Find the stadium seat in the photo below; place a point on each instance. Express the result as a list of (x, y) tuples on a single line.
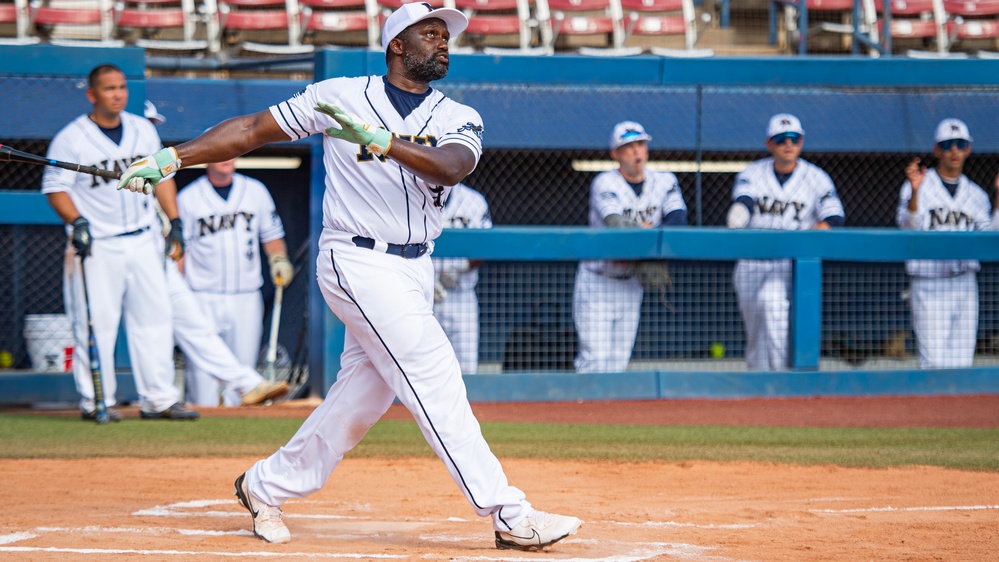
[(276, 24), (342, 22), (513, 20), (974, 21), (14, 14), (590, 18), (791, 30), (169, 25), (924, 21), (88, 23), (660, 18)]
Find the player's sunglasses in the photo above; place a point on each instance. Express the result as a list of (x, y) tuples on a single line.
[(961, 144), (795, 138)]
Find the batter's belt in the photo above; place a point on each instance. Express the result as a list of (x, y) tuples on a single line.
[(408, 251)]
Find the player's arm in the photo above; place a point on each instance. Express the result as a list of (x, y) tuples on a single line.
[(445, 164), (282, 271), (166, 196), (63, 205), (225, 141), (740, 212)]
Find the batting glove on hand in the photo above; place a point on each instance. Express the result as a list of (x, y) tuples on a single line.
[(81, 237), (144, 174), (376, 139), (281, 270), (175, 239)]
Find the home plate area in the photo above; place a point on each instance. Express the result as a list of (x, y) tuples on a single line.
[(219, 528)]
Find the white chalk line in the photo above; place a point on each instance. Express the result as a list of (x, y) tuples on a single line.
[(888, 509), (190, 553)]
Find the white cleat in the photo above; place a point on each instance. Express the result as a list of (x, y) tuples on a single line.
[(536, 531), (267, 523), (265, 391)]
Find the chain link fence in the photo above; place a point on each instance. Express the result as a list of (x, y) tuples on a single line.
[(696, 324)]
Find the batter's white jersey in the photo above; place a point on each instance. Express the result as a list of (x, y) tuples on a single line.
[(402, 208), (464, 208), (968, 209), (611, 194), (223, 236), (111, 212)]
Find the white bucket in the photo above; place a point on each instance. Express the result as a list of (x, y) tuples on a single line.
[(49, 339)]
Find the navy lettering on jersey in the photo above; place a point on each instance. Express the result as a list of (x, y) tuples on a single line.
[(438, 192), (945, 217), (768, 206), (457, 222), (642, 215), (211, 224), (476, 129)]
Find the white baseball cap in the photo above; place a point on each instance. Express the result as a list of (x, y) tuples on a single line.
[(627, 132), (154, 115), (784, 123), (408, 14), (951, 128)]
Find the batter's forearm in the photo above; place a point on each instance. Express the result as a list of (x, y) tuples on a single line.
[(275, 247), (443, 165), (231, 138)]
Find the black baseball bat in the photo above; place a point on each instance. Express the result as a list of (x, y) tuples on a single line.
[(100, 408), (10, 155)]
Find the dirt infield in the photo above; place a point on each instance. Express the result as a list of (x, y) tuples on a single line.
[(182, 509)]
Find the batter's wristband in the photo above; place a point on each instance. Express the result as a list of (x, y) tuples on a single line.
[(381, 142)]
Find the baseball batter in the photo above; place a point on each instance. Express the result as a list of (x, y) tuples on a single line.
[(227, 217), (607, 297), (383, 206), (456, 305), (944, 293), (116, 233), (782, 192)]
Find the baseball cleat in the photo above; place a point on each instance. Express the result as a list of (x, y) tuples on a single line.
[(536, 531), (265, 391), (267, 522), (176, 412), (113, 415)]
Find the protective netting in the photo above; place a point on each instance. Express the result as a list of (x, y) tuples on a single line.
[(526, 306)]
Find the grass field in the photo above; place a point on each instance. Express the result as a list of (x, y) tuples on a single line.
[(35, 436)]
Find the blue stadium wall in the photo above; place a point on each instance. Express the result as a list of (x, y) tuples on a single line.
[(700, 97)]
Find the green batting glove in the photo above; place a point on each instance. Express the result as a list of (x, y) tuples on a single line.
[(144, 174), (376, 139)]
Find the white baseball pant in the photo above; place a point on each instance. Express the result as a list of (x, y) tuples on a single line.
[(606, 312), (394, 347), (125, 277), (762, 289), (203, 348), (945, 320), (238, 319)]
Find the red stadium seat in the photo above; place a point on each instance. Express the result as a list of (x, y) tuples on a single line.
[(600, 19), (160, 24), (511, 20), (342, 22), (974, 22), (16, 14), (91, 24), (794, 27), (663, 18), (276, 24)]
